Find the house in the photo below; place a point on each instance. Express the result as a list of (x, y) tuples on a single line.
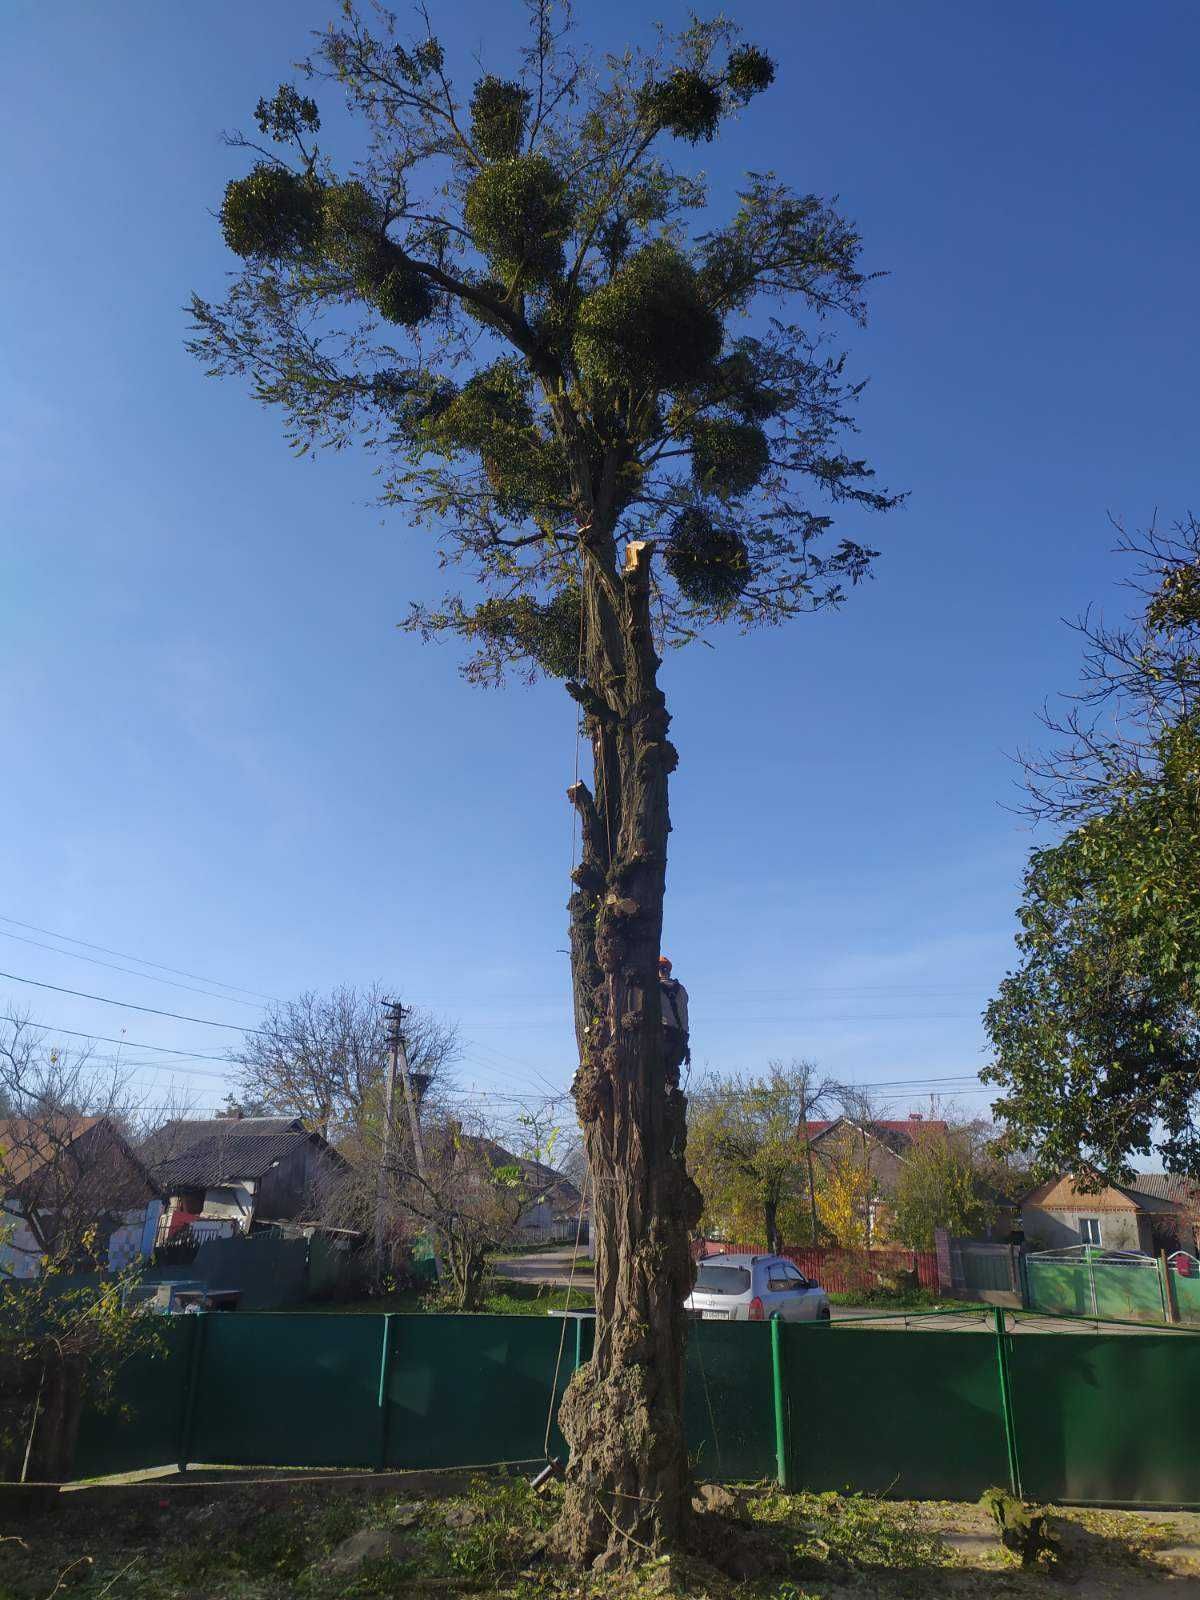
[(553, 1212), (228, 1174), (1056, 1214), (882, 1145), (1180, 1231), (877, 1150), (71, 1187)]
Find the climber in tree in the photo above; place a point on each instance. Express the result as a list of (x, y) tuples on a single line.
[(674, 1001)]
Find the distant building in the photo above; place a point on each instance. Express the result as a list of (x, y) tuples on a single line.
[(225, 1175), (64, 1178), (553, 1212), (1156, 1214)]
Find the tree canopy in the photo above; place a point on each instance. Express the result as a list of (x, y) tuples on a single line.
[(938, 1187), (515, 299), (1097, 1032)]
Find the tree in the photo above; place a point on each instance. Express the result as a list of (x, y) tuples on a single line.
[(1097, 1033), (846, 1196), (67, 1172), (471, 1193), (519, 302), (67, 1178), (751, 1155), (324, 1058), (938, 1187)]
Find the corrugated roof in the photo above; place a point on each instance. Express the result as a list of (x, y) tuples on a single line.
[(174, 1139), (220, 1159), (1171, 1186)]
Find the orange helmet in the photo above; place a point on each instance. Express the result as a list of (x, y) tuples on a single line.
[(664, 965)]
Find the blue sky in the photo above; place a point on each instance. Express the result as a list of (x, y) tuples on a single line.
[(220, 754)]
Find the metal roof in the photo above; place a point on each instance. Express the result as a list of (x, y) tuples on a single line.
[(1171, 1186), (176, 1138), (220, 1159)]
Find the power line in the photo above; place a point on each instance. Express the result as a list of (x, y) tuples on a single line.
[(128, 1005), (125, 956), (75, 1033), (75, 955)]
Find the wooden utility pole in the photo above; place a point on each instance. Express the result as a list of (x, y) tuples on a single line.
[(395, 1013), (398, 1066)]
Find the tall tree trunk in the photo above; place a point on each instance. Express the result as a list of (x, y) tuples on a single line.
[(770, 1227), (627, 1489)]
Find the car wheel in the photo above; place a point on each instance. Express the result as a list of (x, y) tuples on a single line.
[(824, 1314)]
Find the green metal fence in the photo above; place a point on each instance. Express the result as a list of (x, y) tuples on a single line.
[(1118, 1286), (940, 1411)]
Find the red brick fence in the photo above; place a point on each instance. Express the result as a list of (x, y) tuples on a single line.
[(845, 1271)]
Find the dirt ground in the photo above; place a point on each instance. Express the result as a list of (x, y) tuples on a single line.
[(232, 1537)]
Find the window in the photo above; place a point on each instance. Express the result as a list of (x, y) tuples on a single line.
[(783, 1277), (1089, 1230), (721, 1280)]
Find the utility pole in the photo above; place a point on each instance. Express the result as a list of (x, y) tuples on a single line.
[(398, 1065), (395, 1013)]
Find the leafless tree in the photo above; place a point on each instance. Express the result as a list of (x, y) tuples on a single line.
[(463, 1191), (67, 1169), (470, 1193), (1139, 679), (323, 1057)]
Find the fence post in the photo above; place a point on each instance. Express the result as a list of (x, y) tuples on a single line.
[(1087, 1252), (1170, 1304), (385, 1410), (782, 1464), (195, 1359), (1006, 1407)]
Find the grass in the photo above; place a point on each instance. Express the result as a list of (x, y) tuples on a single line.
[(902, 1300), (244, 1542), (502, 1297)]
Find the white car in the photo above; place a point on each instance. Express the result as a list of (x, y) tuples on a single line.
[(755, 1289)]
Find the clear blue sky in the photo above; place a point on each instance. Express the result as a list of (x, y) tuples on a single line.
[(219, 753)]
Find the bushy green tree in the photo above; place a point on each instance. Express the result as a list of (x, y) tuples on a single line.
[(1097, 1032), (601, 400), (939, 1187), (748, 1149)]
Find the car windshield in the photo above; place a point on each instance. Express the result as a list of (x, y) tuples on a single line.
[(722, 1280)]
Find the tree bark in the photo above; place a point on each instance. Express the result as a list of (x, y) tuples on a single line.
[(770, 1212), (627, 1485)]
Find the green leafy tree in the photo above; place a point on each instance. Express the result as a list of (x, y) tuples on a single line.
[(939, 1187), (62, 1346), (748, 1149), (603, 403), (1097, 1032)]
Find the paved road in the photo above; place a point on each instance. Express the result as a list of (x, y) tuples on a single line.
[(547, 1266)]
